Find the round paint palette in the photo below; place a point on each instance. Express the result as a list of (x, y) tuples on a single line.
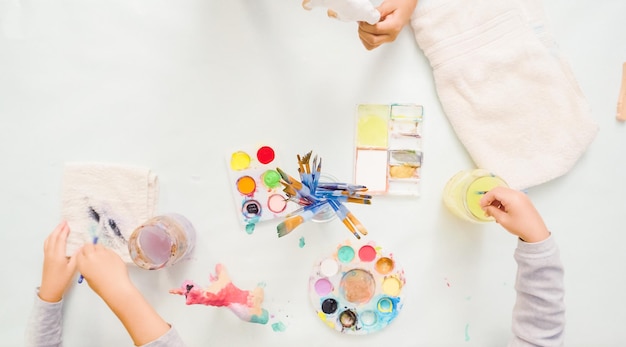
[(357, 289)]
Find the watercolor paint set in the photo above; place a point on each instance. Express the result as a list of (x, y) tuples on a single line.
[(357, 289), (256, 186), (388, 148)]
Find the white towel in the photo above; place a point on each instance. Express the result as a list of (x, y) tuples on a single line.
[(107, 201), (510, 97)]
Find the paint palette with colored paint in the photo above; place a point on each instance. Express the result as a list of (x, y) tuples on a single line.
[(255, 184), (388, 150), (357, 289)]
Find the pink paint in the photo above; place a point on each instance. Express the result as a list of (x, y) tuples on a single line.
[(156, 244), (323, 287), (223, 293), (367, 253)]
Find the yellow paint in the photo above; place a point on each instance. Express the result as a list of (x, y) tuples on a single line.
[(322, 316), (473, 196), (372, 131), (464, 190), (239, 161), (392, 286)]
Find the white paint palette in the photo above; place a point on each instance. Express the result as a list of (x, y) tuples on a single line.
[(255, 185), (388, 148), (357, 289)]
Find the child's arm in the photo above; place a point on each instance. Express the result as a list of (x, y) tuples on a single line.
[(394, 15), (107, 275), (45, 323), (539, 312)]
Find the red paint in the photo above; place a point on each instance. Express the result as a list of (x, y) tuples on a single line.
[(265, 155), (225, 297), (367, 253)]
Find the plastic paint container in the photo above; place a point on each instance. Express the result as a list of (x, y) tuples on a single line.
[(161, 241), (464, 190), (326, 214)]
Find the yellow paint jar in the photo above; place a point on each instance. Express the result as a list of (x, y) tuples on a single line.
[(464, 190)]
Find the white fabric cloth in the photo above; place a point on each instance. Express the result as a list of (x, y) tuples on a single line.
[(510, 97), (107, 201)]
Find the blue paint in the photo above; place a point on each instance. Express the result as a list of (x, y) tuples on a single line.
[(467, 338), (279, 327), (301, 245), (250, 228)]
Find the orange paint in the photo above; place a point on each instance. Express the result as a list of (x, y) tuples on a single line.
[(246, 185)]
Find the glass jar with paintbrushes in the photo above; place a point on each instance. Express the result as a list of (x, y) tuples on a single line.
[(318, 198)]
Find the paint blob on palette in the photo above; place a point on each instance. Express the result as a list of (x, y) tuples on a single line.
[(256, 186), (388, 149), (357, 289)]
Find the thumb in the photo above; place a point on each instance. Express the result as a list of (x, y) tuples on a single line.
[(494, 212), (385, 9)]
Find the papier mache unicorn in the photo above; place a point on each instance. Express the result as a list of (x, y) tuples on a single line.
[(346, 10)]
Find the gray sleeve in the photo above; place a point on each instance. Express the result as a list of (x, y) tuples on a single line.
[(539, 311), (169, 339), (45, 324)]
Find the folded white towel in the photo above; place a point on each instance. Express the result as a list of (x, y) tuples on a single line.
[(510, 97), (106, 201)]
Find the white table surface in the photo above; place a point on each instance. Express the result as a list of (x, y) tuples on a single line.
[(175, 86)]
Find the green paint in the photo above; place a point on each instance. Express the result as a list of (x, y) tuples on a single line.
[(250, 228), (271, 178), (262, 319), (345, 254), (467, 338), (279, 327), (301, 242)]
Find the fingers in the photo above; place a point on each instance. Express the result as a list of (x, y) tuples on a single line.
[(55, 242), (371, 37)]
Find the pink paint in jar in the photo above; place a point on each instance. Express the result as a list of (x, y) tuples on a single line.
[(161, 241)]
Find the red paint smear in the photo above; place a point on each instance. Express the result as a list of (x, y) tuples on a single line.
[(225, 297), (265, 155), (367, 253)]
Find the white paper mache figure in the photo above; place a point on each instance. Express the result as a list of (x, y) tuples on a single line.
[(346, 10)]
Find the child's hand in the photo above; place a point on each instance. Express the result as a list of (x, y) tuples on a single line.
[(58, 269), (394, 14), (103, 269), (516, 213)]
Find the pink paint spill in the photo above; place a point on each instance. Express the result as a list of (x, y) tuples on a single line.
[(223, 293)]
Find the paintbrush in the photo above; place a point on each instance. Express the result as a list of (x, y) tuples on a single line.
[(334, 193), (341, 186), (307, 213), (343, 213), (81, 278), (317, 169)]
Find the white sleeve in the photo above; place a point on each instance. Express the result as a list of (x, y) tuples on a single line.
[(45, 324), (539, 311)]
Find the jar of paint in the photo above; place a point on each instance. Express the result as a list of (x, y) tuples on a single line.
[(464, 190), (326, 214), (161, 241)]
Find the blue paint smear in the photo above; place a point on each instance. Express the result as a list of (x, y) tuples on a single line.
[(279, 327), (467, 338), (301, 245), (250, 228)]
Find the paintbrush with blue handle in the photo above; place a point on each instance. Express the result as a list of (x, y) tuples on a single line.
[(348, 219), (296, 218), (81, 278)]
